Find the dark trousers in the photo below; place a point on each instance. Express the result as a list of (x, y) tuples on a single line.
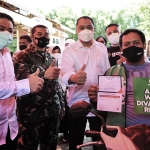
[(77, 128), (76, 131), (44, 133), (95, 125), (64, 126), (10, 145)]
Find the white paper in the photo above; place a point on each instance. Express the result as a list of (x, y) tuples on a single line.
[(109, 94), (109, 83), (109, 102)]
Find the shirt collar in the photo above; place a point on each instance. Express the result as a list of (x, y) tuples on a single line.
[(80, 45), (5, 50)]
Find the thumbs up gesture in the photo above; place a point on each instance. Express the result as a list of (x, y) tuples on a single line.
[(35, 82), (80, 77), (52, 73)]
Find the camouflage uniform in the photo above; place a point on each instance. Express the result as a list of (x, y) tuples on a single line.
[(38, 114)]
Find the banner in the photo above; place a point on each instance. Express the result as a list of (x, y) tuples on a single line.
[(141, 93)]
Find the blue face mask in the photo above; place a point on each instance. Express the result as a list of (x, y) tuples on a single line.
[(133, 53), (5, 39)]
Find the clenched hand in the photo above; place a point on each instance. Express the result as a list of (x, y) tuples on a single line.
[(35, 82), (80, 77), (92, 93), (52, 73)]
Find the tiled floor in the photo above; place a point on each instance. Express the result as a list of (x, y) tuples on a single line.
[(64, 146)]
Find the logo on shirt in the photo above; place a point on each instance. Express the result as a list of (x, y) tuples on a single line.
[(114, 54)]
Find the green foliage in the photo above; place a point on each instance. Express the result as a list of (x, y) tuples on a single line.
[(13, 46), (134, 16), (144, 14)]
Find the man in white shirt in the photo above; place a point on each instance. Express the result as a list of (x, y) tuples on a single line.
[(82, 62), (9, 88)]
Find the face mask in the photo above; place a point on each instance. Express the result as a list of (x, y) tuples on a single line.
[(21, 47), (86, 35), (133, 53), (114, 38), (58, 58), (5, 39), (56, 55), (41, 42)]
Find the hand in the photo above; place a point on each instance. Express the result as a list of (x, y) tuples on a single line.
[(80, 77), (35, 82), (92, 93), (62, 114), (121, 60), (52, 73)]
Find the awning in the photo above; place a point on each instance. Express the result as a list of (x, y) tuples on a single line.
[(25, 8), (22, 19), (33, 21)]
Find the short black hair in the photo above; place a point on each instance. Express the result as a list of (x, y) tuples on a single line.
[(112, 24), (85, 17), (101, 37), (37, 26), (27, 37), (3, 15), (127, 31)]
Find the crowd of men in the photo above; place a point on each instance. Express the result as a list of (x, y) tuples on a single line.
[(39, 85)]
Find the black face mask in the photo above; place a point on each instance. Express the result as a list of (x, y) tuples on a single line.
[(42, 41), (21, 47), (133, 53)]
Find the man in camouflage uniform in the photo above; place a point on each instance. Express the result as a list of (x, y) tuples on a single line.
[(39, 114)]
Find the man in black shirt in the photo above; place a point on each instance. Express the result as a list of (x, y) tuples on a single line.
[(113, 33)]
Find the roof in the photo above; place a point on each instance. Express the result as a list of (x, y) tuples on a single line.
[(27, 16)]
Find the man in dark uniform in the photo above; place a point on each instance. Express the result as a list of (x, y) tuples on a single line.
[(39, 114)]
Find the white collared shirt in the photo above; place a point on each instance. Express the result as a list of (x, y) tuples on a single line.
[(8, 89), (73, 58)]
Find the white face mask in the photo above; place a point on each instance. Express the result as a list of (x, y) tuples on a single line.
[(58, 58), (114, 38), (56, 55), (5, 39), (86, 35)]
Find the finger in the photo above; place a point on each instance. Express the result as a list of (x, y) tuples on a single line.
[(120, 55), (41, 80), (37, 72), (93, 97), (82, 68), (53, 63)]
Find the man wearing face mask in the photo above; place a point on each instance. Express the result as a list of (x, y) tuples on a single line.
[(82, 62), (113, 33), (24, 42), (9, 88), (132, 43), (39, 114)]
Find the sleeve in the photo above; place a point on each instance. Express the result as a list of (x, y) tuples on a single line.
[(9, 89), (22, 66), (67, 65), (61, 95)]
